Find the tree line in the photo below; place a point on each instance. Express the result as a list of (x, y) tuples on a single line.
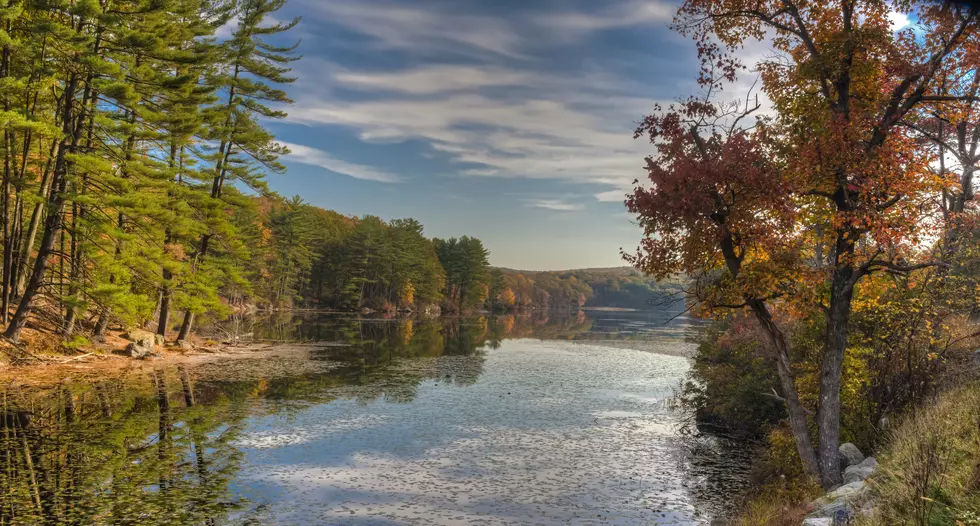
[(606, 287), (307, 257), (843, 222)]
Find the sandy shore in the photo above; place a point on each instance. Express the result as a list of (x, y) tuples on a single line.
[(92, 364)]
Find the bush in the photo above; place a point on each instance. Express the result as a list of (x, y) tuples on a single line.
[(732, 381)]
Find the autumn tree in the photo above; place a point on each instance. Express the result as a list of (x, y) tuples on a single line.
[(737, 205)]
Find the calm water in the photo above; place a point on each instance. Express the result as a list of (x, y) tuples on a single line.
[(515, 420)]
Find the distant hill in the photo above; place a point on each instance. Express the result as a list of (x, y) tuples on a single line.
[(623, 287)]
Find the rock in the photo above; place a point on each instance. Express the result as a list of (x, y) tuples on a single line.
[(818, 521), (843, 499), (852, 453), (158, 339), (186, 345), (842, 517), (143, 343), (860, 471), (137, 350), (848, 491), (137, 335)]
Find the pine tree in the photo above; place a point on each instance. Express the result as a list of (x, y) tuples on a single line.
[(246, 149)]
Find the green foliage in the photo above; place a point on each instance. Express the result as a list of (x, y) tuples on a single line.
[(467, 271), (731, 385)]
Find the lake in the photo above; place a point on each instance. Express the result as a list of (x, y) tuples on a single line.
[(542, 419)]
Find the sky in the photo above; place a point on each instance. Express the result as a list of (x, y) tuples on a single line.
[(506, 120)]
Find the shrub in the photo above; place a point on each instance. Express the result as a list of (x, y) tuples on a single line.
[(732, 381)]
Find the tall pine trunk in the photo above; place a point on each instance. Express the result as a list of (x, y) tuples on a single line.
[(55, 206)]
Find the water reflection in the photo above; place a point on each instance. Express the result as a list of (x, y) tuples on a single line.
[(531, 433), (148, 450)]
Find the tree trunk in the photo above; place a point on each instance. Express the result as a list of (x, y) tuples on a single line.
[(797, 414), (100, 326), (185, 326), (835, 344), (52, 226), (28, 245), (164, 320), (795, 410)]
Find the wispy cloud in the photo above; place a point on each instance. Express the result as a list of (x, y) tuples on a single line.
[(314, 157), (578, 133), (397, 25), (612, 196), (481, 90), (615, 15), (553, 204)]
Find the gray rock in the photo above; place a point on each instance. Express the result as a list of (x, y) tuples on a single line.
[(818, 521), (852, 453), (869, 462), (138, 335), (158, 339), (847, 491), (843, 499), (860, 471), (827, 510), (138, 350), (186, 345)]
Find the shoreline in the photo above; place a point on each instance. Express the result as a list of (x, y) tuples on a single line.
[(51, 369)]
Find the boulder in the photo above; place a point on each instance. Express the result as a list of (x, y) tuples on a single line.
[(818, 521), (186, 345), (140, 336), (843, 499), (142, 343), (158, 339), (860, 471), (139, 350), (851, 453)]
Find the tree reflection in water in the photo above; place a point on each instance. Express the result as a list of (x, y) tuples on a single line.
[(158, 446)]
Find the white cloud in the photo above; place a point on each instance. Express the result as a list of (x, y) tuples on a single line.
[(632, 13), (898, 20), (397, 26), (479, 91), (582, 132), (553, 204), (442, 78), (312, 156), (612, 196)]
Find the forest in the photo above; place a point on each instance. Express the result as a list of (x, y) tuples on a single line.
[(303, 256), (833, 238)]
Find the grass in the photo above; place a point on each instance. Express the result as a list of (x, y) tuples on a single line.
[(777, 508), (929, 472)]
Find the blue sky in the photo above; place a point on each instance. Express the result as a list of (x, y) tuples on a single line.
[(506, 120)]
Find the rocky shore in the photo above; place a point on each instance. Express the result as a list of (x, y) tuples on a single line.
[(851, 500)]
